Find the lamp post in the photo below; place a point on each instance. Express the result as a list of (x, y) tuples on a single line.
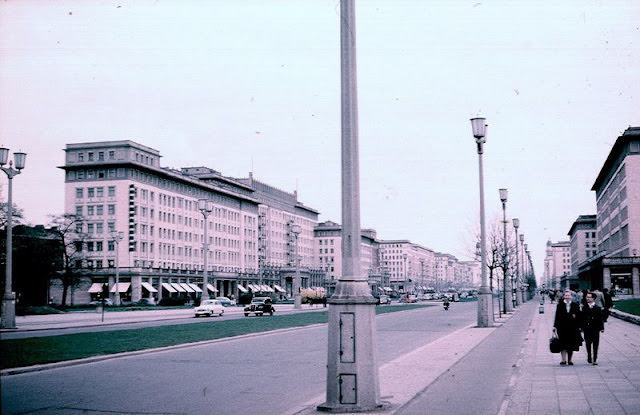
[(405, 276), (8, 320), (205, 207), (523, 274), (297, 298), (485, 315), (506, 282), (352, 367), (517, 299), (117, 237)]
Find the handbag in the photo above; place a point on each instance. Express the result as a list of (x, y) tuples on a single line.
[(554, 343)]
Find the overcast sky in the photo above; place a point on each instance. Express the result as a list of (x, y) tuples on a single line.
[(244, 86)]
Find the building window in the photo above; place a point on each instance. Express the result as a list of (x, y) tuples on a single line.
[(112, 155), (111, 209), (91, 192), (99, 191), (90, 210), (79, 192), (79, 210), (111, 191), (100, 155), (99, 247), (80, 156), (90, 154), (80, 174), (99, 210)]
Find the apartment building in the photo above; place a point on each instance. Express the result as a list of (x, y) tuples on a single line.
[(617, 191), (146, 218), (328, 248), (410, 267), (557, 265), (582, 235)]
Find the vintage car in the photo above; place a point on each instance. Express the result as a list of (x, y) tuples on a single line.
[(209, 308), (259, 306)]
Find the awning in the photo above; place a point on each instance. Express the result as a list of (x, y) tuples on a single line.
[(212, 288), (187, 287), (195, 287), (267, 288), (178, 287), (123, 287), (96, 287), (242, 289), (253, 287), (168, 287), (148, 287), (388, 289), (278, 288)]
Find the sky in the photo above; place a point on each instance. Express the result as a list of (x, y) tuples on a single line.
[(254, 86)]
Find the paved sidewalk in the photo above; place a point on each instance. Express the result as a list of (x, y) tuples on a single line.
[(508, 370), (612, 387)]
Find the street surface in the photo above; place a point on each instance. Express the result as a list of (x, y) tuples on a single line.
[(431, 361), (268, 373)]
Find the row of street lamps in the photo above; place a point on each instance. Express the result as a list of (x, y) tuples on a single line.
[(485, 293)]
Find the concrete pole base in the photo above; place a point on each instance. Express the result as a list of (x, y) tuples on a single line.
[(352, 367), (485, 311), (8, 320)]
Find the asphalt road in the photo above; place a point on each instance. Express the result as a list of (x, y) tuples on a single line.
[(267, 373)]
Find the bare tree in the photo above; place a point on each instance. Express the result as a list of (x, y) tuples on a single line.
[(69, 230)]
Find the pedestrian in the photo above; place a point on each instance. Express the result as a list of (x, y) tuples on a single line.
[(592, 326), (598, 298), (608, 304), (566, 324)]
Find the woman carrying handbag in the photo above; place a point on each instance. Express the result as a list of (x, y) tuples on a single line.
[(567, 326)]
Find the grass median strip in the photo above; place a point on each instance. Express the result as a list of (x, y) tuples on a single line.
[(49, 349)]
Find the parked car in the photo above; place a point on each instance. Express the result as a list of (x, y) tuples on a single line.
[(384, 299), (107, 302), (226, 301), (209, 308), (146, 301), (259, 306)]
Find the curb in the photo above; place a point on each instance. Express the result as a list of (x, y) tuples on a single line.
[(631, 318)]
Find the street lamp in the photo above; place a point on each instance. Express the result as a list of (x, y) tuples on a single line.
[(506, 283), (485, 316), (8, 320), (404, 272), (352, 369), (297, 298), (205, 207), (523, 274), (516, 275), (117, 237)]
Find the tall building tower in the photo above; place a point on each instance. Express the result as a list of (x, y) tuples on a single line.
[(617, 190)]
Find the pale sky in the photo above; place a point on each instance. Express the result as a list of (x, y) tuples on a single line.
[(244, 86)]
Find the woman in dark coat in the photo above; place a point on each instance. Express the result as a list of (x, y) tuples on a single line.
[(567, 325)]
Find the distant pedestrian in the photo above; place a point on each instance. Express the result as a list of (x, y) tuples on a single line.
[(592, 326), (608, 304), (598, 298), (567, 325)]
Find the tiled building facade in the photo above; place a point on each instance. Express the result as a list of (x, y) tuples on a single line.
[(617, 188), (121, 187)]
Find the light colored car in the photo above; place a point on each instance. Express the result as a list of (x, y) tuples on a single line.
[(226, 301), (209, 308)]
